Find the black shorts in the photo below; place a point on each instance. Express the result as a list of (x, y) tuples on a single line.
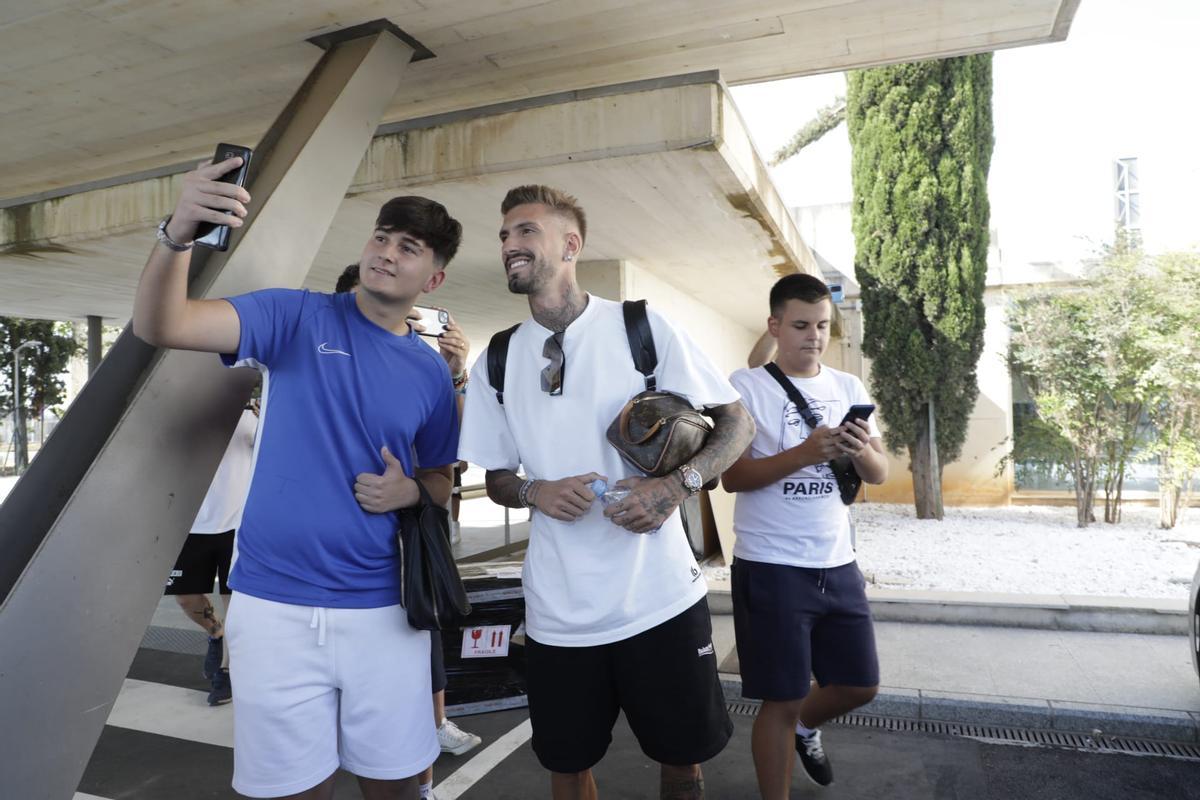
[(664, 679), (205, 558), (792, 622), (437, 662)]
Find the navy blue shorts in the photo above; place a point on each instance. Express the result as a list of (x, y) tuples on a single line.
[(793, 622)]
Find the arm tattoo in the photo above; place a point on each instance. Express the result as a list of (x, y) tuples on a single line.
[(504, 487), (733, 428)]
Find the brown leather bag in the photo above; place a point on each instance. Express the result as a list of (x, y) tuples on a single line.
[(658, 432)]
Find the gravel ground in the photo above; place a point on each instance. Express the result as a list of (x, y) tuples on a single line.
[(1030, 549)]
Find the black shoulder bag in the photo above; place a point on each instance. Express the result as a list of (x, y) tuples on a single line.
[(432, 592), (848, 480)]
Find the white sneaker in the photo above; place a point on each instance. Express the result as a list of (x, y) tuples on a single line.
[(454, 740)]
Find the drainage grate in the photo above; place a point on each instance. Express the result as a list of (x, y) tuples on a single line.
[(1096, 743)]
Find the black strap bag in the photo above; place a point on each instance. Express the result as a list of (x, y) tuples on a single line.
[(656, 431), (847, 476), (432, 592)]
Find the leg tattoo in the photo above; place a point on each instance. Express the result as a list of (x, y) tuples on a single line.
[(210, 622), (682, 789)]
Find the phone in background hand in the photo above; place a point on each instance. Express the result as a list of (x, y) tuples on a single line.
[(213, 236), (435, 320), (862, 412)]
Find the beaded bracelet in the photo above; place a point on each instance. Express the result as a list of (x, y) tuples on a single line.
[(523, 494)]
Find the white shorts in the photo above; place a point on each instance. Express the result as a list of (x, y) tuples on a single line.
[(315, 689)]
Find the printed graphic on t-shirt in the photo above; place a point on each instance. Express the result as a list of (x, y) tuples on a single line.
[(814, 481)]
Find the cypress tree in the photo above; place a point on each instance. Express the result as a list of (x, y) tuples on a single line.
[(921, 140)]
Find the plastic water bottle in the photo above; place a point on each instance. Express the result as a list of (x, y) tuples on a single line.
[(608, 496), (612, 496)]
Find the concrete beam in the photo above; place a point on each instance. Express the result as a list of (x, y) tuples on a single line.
[(93, 527)]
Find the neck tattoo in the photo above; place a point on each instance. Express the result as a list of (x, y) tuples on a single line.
[(566, 309)]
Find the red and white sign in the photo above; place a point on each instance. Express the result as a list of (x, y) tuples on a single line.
[(489, 641)]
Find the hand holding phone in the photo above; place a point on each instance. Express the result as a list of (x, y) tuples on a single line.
[(210, 234), (857, 438), (858, 411), (429, 321)]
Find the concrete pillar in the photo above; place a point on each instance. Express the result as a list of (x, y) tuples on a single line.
[(95, 333), (603, 278), (91, 531)]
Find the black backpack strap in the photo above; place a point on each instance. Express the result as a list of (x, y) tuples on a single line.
[(641, 340), (497, 360), (793, 394)]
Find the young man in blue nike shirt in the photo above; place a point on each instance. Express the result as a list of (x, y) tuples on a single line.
[(327, 673)]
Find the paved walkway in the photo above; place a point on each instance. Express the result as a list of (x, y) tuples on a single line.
[(162, 741), (1122, 684)]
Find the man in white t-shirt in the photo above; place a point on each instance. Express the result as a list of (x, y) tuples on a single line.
[(208, 552), (616, 612), (799, 602)]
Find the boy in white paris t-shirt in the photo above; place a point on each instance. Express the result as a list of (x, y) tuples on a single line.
[(799, 602)]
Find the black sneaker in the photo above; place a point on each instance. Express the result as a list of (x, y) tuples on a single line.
[(222, 688), (214, 657), (813, 758)]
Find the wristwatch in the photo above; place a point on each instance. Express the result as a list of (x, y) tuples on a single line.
[(692, 480), (162, 235)]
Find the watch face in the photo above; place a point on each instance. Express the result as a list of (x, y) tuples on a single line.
[(692, 479)]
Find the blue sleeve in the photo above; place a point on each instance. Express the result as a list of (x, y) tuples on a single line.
[(436, 442), (269, 319)]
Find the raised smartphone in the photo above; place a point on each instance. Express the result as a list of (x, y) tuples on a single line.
[(213, 236), (434, 320)]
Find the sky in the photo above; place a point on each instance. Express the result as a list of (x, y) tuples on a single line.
[(1124, 83)]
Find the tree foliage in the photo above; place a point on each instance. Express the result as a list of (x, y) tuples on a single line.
[(1102, 357), (1172, 380), (827, 119), (921, 139), (42, 385)]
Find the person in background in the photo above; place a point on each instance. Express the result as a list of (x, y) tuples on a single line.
[(208, 552)]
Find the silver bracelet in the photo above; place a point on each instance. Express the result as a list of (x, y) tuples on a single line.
[(161, 234), (523, 493)]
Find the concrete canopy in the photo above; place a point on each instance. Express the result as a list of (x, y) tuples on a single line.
[(665, 170), (97, 89)]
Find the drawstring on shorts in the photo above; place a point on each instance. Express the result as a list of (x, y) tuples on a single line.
[(318, 622)]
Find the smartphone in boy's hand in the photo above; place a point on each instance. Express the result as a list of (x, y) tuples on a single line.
[(213, 236), (856, 412), (433, 320)]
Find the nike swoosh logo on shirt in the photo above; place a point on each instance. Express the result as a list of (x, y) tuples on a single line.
[(325, 349)]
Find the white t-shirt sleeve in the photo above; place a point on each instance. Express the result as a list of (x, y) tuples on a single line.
[(684, 369), (761, 445), (485, 439)]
